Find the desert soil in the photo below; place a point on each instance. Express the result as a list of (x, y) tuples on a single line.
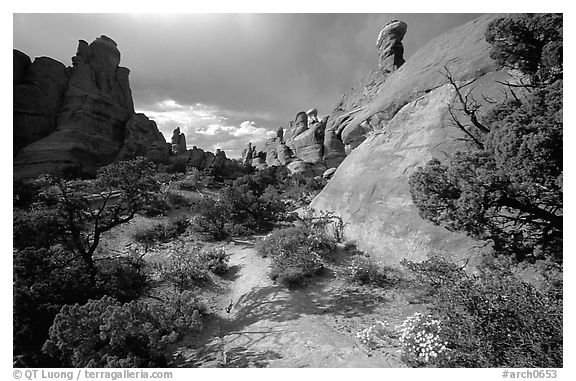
[(269, 325)]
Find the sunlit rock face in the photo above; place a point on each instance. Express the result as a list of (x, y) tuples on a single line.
[(409, 124), (85, 112), (341, 137), (389, 45)]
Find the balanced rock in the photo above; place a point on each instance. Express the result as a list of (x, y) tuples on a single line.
[(389, 44), (341, 135)]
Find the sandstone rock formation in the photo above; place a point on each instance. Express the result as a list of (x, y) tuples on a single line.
[(340, 137), (39, 88), (142, 138), (389, 44), (300, 147), (78, 118), (178, 142), (409, 116)]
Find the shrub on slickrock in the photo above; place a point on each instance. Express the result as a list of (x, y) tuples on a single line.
[(297, 253), (492, 319)]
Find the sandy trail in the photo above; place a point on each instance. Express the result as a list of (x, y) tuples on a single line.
[(271, 326)]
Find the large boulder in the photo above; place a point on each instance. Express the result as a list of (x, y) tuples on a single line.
[(411, 125), (79, 118)]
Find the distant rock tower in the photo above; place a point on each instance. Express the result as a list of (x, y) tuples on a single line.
[(178, 142), (389, 44)]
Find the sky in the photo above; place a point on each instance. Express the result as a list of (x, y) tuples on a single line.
[(228, 79)]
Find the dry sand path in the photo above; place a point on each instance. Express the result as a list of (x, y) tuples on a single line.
[(271, 326)]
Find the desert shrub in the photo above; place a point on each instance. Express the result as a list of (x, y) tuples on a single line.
[(327, 221), (125, 278), (507, 187), (531, 43), (492, 319), (183, 269), (294, 237), (252, 207), (162, 232), (176, 200), (214, 259), (192, 182), (365, 270), (422, 340), (36, 228), (106, 333), (188, 185), (177, 165), (47, 279), (376, 336), (212, 217), (297, 253), (157, 206), (236, 230)]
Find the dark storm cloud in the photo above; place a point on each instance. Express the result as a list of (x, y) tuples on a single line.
[(256, 68)]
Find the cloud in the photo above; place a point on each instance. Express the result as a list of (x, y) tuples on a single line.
[(210, 73), (207, 126)]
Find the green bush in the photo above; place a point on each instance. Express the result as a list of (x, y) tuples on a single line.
[(105, 333), (46, 279), (162, 232), (192, 182), (212, 217), (183, 269), (37, 228), (176, 200), (492, 319), (214, 259), (156, 207), (297, 253), (177, 165), (364, 270)]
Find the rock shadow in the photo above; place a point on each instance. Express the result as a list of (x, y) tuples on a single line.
[(233, 273), (242, 357)]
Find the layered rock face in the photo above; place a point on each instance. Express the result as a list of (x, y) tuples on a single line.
[(38, 93), (409, 116), (78, 118), (300, 147), (204, 160), (341, 137)]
